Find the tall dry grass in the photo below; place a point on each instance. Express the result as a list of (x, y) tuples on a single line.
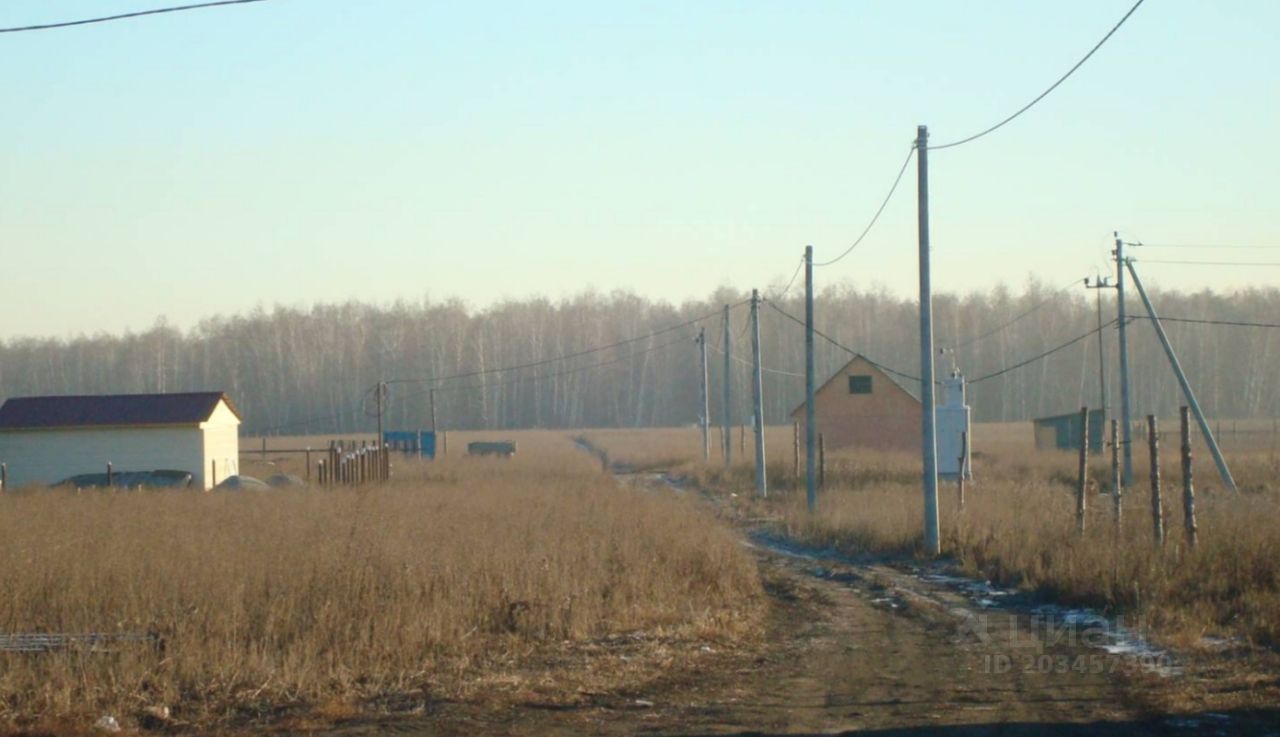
[(294, 598), (1018, 526)]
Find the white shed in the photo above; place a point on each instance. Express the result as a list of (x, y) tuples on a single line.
[(44, 440)]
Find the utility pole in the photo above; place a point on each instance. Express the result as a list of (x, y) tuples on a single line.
[(810, 412), (728, 391), (704, 421), (382, 397), (1187, 392), (1127, 478), (757, 392), (929, 438), (1100, 283), (433, 411)]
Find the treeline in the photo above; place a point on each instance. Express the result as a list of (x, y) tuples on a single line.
[(300, 371)]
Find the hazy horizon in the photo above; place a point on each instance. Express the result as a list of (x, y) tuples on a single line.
[(282, 152)]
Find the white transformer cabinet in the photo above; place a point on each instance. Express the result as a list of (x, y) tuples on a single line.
[(954, 438)]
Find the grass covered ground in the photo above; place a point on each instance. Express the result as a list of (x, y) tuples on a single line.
[(463, 578)]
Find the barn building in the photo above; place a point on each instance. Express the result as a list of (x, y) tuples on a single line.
[(862, 407), (44, 440)]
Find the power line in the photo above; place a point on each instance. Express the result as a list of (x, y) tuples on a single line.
[(1041, 356), (1051, 88), (791, 282), (566, 356), (123, 16), (841, 346), (1203, 321), (1208, 246), (1018, 317), (765, 369), (1208, 263), (468, 387), (565, 372), (910, 152)]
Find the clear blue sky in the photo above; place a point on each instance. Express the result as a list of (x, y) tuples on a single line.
[(296, 151)]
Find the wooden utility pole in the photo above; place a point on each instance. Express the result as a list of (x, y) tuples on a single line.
[(1082, 476), (378, 458), (704, 422), (822, 461), (1188, 486), (757, 396), (1157, 507), (727, 421), (963, 466), (810, 411), (795, 452), (1117, 482)]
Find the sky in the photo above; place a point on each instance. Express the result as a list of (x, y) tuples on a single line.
[(302, 151)]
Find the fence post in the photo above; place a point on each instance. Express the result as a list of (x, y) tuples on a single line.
[(1117, 485), (307, 464), (1157, 507), (963, 465), (4, 477), (264, 448), (213, 472), (1188, 487), (795, 452), (110, 476), (822, 461), (1082, 476)]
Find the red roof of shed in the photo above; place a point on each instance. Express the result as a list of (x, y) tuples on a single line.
[(23, 413)]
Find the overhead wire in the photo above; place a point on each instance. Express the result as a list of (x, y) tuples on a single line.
[(1016, 318), (124, 16), (1051, 88), (752, 364), (1046, 354), (565, 372), (884, 203), (843, 347), (1206, 246), (566, 356), (1207, 263), (794, 275), (1205, 321)]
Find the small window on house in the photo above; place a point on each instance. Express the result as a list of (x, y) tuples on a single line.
[(859, 384)]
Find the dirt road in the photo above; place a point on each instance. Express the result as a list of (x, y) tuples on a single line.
[(861, 647)]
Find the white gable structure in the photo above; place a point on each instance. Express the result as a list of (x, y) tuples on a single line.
[(44, 440)]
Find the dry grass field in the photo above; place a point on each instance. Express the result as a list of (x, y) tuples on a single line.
[(1018, 526), (448, 582)]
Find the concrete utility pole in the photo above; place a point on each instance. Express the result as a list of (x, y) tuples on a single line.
[(727, 434), (757, 391), (810, 412), (1187, 392), (1100, 283), (1127, 478), (929, 437), (704, 421)]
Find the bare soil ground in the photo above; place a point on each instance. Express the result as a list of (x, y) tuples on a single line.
[(872, 647)]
